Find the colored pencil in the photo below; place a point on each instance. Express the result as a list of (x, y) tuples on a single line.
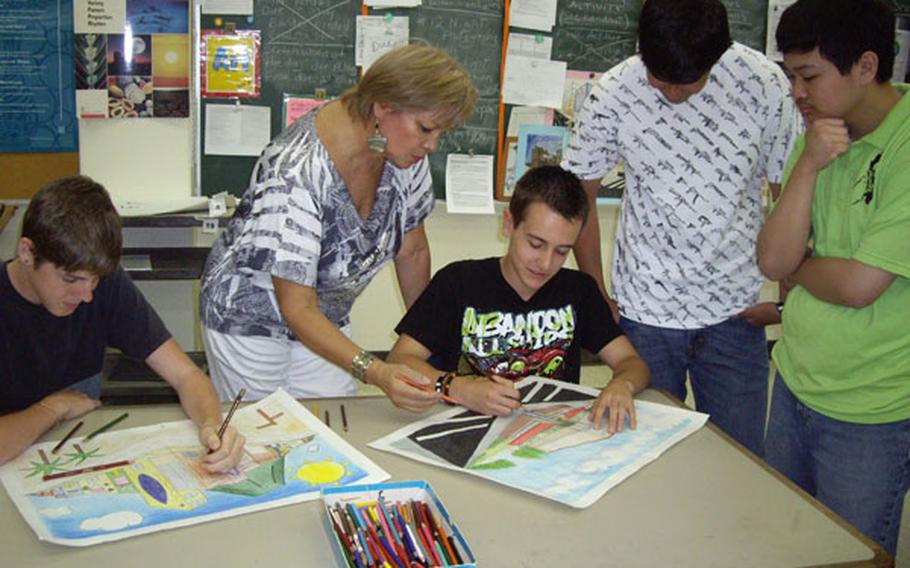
[(426, 388), (230, 414), (67, 437), (458, 559), (106, 426), (328, 421), (72, 472)]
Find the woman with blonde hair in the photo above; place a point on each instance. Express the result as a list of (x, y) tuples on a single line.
[(332, 199)]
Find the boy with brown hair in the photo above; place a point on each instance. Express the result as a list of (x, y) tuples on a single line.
[(63, 301), (489, 322)]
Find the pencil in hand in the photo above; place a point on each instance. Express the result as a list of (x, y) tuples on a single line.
[(426, 388), (230, 414)]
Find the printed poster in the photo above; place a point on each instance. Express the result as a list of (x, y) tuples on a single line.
[(147, 479), (132, 58), (37, 107)]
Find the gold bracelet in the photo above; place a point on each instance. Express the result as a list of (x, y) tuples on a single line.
[(50, 409), (360, 364)]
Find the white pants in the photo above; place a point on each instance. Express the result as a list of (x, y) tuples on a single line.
[(263, 364)]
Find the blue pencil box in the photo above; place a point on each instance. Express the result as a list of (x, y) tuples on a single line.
[(394, 496)]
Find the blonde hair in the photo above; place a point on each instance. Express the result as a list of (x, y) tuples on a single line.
[(414, 78)]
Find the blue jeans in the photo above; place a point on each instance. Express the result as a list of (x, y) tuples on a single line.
[(860, 471), (90, 386), (727, 365)]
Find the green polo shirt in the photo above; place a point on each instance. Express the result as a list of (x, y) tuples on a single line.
[(847, 363)]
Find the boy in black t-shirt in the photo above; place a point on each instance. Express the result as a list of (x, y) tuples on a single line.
[(495, 320), (63, 300)]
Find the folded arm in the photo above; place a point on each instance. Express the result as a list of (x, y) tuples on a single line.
[(783, 239), (842, 281)]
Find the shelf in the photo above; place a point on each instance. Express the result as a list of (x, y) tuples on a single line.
[(177, 263)]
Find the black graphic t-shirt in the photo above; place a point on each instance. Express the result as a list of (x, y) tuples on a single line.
[(474, 322)]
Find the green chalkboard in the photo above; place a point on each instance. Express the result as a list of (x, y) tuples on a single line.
[(306, 44), (309, 45)]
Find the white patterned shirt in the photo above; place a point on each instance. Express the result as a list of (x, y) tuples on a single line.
[(297, 222), (685, 245)]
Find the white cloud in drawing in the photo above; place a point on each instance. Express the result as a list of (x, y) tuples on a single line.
[(56, 512), (112, 521)]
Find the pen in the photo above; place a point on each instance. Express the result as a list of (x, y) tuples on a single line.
[(67, 437), (106, 426), (344, 419)]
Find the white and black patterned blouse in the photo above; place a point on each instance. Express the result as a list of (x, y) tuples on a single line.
[(685, 246), (297, 221)]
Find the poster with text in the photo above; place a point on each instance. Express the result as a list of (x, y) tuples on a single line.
[(132, 58), (36, 76)]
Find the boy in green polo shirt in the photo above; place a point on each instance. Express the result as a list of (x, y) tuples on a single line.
[(840, 412)]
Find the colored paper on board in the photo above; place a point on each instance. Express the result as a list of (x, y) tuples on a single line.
[(230, 63), (290, 455), (550, 448)]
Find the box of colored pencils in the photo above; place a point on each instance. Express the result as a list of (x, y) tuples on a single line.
[(397, 525)]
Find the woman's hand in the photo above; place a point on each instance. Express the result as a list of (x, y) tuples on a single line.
[(405, 387)]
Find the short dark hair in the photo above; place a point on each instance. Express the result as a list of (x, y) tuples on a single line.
[(842, 30), (680, 40), (73, 224), (559, 189)]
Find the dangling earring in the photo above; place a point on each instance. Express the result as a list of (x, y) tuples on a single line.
[(377, 141)]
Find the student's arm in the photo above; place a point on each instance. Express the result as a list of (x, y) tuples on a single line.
[(201, 404), (783, 238), (412, 264), (19, 430), (630, 376), (587, 246), (300, 308), (494, 396), (842, 281)]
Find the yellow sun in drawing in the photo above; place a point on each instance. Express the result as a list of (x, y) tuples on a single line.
[(321, 473)]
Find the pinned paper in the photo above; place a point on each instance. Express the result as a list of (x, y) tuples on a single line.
[(376, 35)]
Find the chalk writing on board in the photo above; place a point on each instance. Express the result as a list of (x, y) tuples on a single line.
[(475, 40), (592, 50), (620, 15)]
